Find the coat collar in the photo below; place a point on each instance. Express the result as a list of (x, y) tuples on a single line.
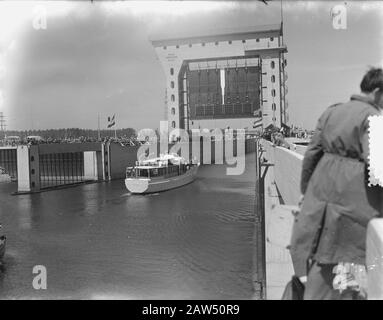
[(364, 99)]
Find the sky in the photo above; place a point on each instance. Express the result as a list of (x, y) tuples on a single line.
[(96, 58)]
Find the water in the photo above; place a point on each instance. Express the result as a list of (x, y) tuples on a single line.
[(98, 241)]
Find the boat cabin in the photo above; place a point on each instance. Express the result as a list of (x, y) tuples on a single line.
[(150, 172)]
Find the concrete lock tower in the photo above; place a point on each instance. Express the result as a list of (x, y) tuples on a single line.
[(225, 79)]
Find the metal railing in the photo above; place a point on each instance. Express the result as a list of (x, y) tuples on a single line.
[(259, 257), (58, 169)]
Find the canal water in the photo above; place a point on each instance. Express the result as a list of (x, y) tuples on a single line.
[(97, 241)]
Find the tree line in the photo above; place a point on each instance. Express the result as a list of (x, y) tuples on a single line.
[(72, 133)]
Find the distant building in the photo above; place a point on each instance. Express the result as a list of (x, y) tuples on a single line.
[(228, 78)]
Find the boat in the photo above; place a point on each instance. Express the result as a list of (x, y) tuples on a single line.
[(163, 173), (4, 176)]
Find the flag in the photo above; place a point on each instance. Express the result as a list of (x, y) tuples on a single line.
[(111, 121), (257, 123)]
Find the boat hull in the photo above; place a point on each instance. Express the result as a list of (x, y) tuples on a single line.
[(143, 186), (5, 177)]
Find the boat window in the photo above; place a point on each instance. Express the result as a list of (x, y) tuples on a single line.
[(144, 173), (154, 172)]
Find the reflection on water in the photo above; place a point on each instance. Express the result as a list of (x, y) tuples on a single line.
[(99, 242)]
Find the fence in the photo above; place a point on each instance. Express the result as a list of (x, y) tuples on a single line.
[(8, 160), (58, 169)]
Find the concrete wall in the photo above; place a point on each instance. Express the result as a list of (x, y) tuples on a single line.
[(69, 147), (281, 186), (28, 173), (23, 177), (288, 166), (374, 259), (90, 165), (121, 157)]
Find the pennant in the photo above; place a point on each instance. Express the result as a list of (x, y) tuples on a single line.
[(111, 121)]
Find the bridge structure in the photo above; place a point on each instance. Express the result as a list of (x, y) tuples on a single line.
[(42, 167), (232, 78)]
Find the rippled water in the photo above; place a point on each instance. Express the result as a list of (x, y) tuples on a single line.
[(98, 241)]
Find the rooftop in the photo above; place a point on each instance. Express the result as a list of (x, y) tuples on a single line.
[(212, 35)]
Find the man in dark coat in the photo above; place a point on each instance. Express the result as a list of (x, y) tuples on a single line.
[(337, 201)]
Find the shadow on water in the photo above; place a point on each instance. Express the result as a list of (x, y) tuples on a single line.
[(97, 241)]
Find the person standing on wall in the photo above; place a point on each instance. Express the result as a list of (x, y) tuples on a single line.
[(329, 235)]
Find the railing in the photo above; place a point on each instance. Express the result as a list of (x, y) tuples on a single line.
[(61, 169)]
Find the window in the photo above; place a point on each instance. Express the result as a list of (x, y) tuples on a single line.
[(285, 63), (173, 111), (177, 46), (257, 40), (274, 107), (216, 43), (229, 41), (171, 71), (164, 47), (272, 78), (272, 64), (271, 39), (172, 84), (273, 92), (173, 98), (173, 124), (203, 44), (243, 41)]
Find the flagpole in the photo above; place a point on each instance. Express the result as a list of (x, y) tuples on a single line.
[(98, 127), (115, 129)]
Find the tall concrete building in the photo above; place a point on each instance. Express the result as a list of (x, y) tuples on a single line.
[(225, 78)]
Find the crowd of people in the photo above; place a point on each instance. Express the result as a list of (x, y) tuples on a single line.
[(278, 135), (16, 141)]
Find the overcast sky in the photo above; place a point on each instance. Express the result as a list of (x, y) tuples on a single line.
[(96, 58)]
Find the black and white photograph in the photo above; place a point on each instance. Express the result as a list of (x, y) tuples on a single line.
[(205, 152)]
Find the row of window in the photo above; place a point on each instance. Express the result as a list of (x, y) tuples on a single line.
[(216, 43), (272, 64), (172, 97)]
